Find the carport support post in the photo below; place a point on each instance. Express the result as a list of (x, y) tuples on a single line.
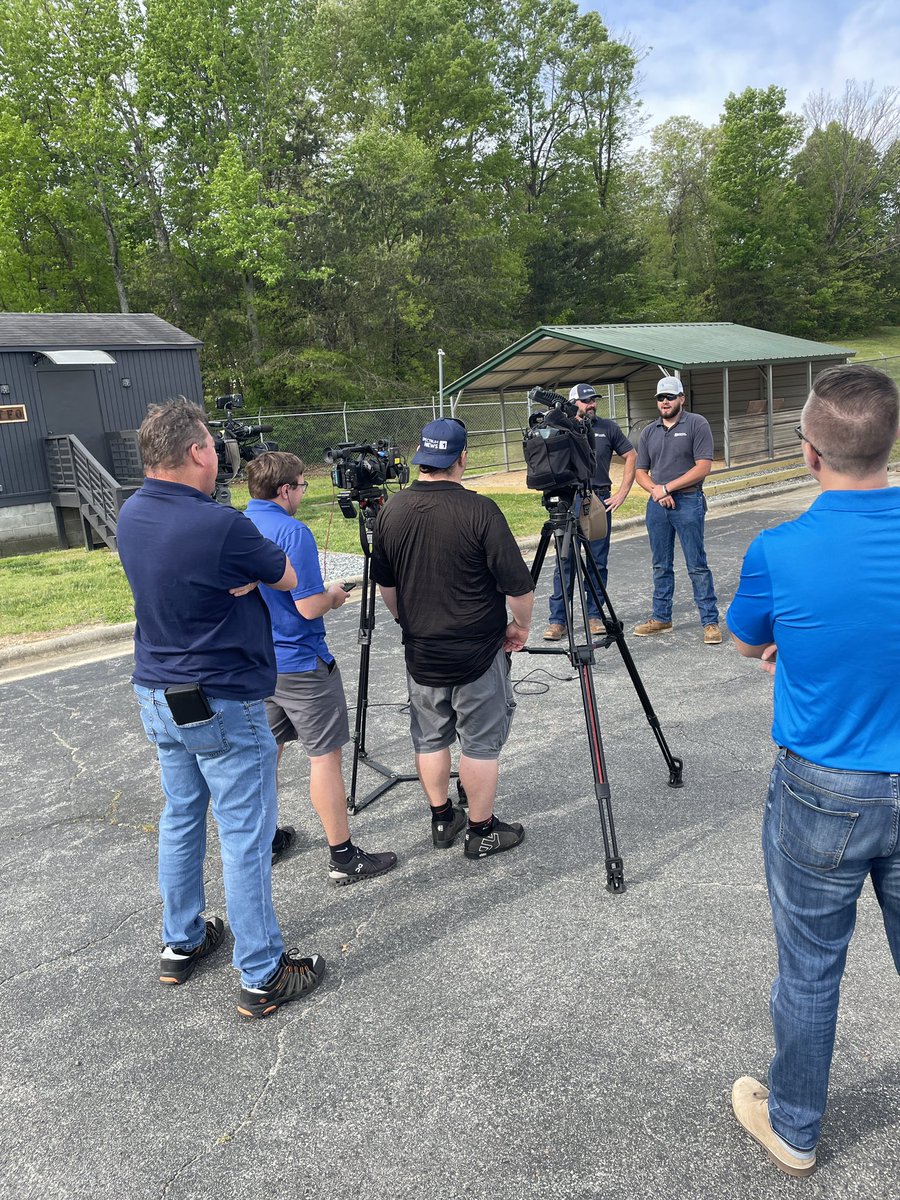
[(503, 429), (727, 416), (770, 408)]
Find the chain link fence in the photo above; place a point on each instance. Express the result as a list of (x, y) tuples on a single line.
[(495, 428)]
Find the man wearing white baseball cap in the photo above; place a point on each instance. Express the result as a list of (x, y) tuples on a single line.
[(674, 456)]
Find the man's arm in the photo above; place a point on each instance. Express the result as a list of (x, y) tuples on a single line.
[(518, 628), (389, 596), (613, 501), (320, 603), (288, 579), (767, 653), (697, 473)]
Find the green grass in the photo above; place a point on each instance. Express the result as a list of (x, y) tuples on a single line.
[(68, 588), (44, 592), (883, 343)]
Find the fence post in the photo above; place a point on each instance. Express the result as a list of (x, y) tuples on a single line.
[(346, 434)]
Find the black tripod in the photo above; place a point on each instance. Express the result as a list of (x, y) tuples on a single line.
[(572, 547), (370, 503)]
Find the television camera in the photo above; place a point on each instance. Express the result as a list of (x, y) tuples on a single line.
[(235, 442), (362, 470)]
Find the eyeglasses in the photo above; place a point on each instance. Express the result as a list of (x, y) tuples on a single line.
[(660, 399), (302, 486), (803, 438)]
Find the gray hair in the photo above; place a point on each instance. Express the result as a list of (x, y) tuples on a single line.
[(169, 430)]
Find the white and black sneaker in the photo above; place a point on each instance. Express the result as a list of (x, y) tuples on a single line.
[(499, 837), (361, 866), (443, 833)]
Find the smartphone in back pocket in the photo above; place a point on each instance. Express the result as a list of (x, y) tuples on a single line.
[(188, 704)]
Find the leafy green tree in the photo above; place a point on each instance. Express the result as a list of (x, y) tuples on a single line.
[(754, 208)]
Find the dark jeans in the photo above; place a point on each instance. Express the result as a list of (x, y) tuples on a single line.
[(600, 555), (687, 520), (824, 833)]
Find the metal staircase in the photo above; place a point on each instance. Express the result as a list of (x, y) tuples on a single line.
[(79, 481)]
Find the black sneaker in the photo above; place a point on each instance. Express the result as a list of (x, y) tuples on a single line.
[(501, 837), (177, 966), (295, 978), (282, 841), (443, 833), (361, 866)]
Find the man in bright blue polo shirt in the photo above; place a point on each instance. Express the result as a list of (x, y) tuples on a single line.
[(674, 456), (823, 594), (204, 662), (307, 701)]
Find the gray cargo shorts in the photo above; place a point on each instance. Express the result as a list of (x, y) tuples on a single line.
[(310, 706), (479, 713)]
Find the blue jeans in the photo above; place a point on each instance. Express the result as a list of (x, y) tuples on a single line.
[(824, 832), (686, 519), (600, 555), (230, 758)]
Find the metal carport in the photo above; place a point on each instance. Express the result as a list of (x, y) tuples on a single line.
[(750, 384)]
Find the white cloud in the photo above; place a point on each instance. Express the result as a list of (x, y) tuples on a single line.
[(700, 51)]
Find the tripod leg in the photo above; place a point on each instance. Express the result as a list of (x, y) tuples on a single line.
[(366, 625), (582, 659), (616, 633)]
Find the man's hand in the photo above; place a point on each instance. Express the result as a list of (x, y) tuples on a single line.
[(767, 658), (515, 637), (338, 595), (244, 589), (611, 503)]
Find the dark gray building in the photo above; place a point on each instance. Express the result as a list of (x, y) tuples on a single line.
[(70, 384)]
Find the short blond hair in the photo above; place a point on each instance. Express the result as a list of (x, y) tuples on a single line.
[(851, 418)]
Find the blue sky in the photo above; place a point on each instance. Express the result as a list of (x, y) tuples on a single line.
[(699, 50)]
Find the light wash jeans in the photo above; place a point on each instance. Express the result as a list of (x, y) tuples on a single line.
[(600, 555), (686, 519), (230, 758), (824, 833)]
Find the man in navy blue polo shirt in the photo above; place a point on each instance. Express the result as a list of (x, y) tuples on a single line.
[(823, 594), (204, 662), (608, 440), (307, 702), (674, 456)]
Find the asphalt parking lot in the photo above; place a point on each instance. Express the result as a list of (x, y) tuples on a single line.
[(489, 1030)]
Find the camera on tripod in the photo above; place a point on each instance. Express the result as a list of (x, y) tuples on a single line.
[(558, 445), (362, 470), (235, 442)]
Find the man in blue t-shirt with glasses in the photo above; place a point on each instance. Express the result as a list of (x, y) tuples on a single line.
[(823, 594), (307, 703)]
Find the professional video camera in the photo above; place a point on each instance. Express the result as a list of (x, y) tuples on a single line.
[(362, 471), (559, 444), (236, 442)]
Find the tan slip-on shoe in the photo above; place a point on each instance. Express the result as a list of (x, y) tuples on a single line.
[(554, 633), (712, 635), (750, 1101)]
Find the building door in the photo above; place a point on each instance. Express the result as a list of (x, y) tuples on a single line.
[(72, 405)]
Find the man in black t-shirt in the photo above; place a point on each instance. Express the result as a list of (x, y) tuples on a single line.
[(447, 566)]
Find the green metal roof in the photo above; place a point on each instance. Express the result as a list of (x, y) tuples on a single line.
[(559, 355)]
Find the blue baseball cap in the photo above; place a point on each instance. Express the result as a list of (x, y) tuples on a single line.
[(441, 443)]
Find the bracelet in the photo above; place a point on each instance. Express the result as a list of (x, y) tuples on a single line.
[(666, 489)]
